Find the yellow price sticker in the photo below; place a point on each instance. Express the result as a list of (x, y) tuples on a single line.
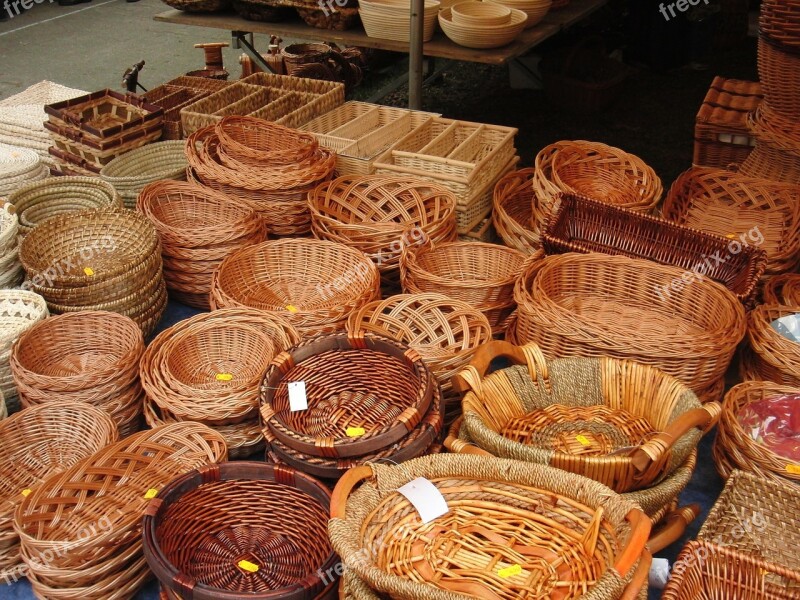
[(355, 431), (151, 493), (246, 565), (224, 377), (510, 571), (89, 271), (582, 440), (793, 469), (730, 236), (291, 308), (26, 492)]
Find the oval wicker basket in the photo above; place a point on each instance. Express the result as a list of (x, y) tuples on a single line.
[(626, 425), (734, 448), (314, 284), (770, 356), (734, 205), (589, 541), (105, 494), (36, 443), (596, 305), (782, 289), (513, 200), (363, 393), (445, 332), (263, 143), (480, 274), (247, 540), (40, 200)]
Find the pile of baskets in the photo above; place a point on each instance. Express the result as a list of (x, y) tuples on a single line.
[(380, 215), (335, 401), (11, 272), (38, 201), (132, 171), (314, 284), (269, 166), (89, 356), (595, 305), (198, 227), (445, 332), (37, 443), (98, 260), (208, 369), (19, 166), (19, 310), (81, 530)]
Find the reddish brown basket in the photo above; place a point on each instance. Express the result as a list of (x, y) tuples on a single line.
[(364, 393), (770, 356), (582, 225), (247, 540)]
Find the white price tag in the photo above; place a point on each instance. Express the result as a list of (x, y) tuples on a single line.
[(297, 396), (426, 498), (659, 573)]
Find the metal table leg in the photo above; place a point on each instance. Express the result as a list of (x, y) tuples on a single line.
[(244, 40), (415, 55)]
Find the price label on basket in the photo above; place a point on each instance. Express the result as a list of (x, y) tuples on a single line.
[(354, 432), (793, 469), (510, 571), (582, 440), (297, 396), (151, 493), (89, 271), (224, 377), (26, 492), (426, 498), (246, 565), (291, 308)]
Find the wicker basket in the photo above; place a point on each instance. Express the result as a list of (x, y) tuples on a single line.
[(513, 200), (247, 541), (777, 152), (445, 332), (629, 426), (732, 205), (19, 166), (208, 369), (132, 171), (482, 275), (766, 512), (590, 541), (771, 357), (779, 21), (261, 143), (87, 356), (38, 201), (314, 284), (37, 443), (595, 305), (363, 393), (734, 448), (199, 6), (19, 310), (782, 289), (380, 215), (172, 98), (721, 137), (105, 494), (581, 225), (777, 69)]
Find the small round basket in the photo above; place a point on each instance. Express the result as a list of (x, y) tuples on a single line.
[(363, 395), (513, 199), (228, 530), (298, 55), (314, 284), (771, 356)]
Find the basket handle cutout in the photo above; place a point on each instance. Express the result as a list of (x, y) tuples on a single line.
[(531, 355)]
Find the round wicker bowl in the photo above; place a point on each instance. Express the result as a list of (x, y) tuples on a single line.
[(314, 284), (480, 13), (36, 443), (513, 200), (40, 200), (246, 540), (770, 356)]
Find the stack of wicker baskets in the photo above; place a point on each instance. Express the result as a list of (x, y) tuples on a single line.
[(597, 305), (89, 356), (19, 166), (269, 166), (315, 284), (81, 530), (198, 227), (132, 171), (336, 401), (98, 260), (11, 272), (19, 310), (208, 369), (40, 200), (36, 443), (444, 331), (380, 215)]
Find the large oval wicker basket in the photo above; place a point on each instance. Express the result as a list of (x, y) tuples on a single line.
[(246, 541), (626, 425), (512, 529), (315, 284), (258, 142)]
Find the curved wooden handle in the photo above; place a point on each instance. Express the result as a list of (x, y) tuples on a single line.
[(344, 487), (652, 451), (458, 446), (529, 355), (639, 579), (640, 532), (677, 522)]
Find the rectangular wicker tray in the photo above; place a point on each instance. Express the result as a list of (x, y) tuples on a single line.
[(582, 225)]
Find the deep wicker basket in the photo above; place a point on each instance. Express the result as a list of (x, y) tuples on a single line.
[(247, 540), (496, 507), (314, 284), (770, 356), (105, 494), (36, 443), (513, 201), (777, 70)]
